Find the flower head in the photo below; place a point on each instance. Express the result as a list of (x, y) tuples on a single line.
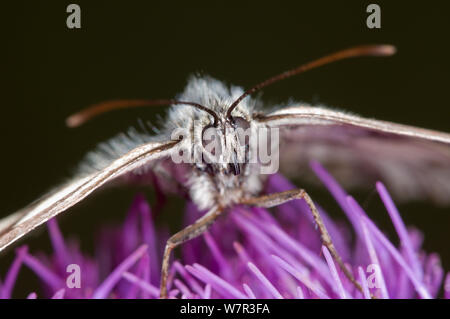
[(250, 253)]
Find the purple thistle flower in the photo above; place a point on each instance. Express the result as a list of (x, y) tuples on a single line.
[(249, 254)]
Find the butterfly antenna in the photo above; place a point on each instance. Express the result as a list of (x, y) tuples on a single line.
[(85, 115), (359, 51)]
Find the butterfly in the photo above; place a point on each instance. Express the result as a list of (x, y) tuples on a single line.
[(414, 162)]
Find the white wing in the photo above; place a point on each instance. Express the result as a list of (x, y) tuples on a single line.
[(414, 162), (20, 223)]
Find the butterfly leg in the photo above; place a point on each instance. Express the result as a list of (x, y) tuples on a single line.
[(276, 199), (190, 232)]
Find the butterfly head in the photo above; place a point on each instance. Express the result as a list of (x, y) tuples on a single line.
[(220, 136)]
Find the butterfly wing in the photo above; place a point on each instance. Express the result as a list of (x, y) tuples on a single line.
[(20, 223), (413, 162)]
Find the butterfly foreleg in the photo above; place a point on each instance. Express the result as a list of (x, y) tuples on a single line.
[(276, 199), (188, 233)]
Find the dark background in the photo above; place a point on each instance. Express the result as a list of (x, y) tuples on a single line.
[(147, 49)]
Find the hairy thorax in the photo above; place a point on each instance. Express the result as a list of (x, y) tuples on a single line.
[(222, 189)]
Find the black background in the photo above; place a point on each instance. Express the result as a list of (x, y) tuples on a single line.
[(147, 49)]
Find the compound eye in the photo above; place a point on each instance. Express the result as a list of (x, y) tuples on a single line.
[(211, 140), (240, 122), (242, 128)]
